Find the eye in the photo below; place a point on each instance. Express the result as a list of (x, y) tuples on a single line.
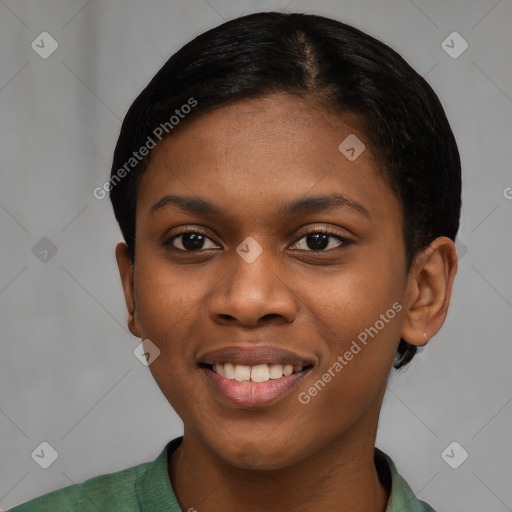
[(321, 240), (189, 241)]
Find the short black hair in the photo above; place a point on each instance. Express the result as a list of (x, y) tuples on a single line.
[(312, 57)]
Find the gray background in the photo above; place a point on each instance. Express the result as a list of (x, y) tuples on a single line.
[(68, 375)]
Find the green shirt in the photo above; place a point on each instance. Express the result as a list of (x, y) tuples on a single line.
[(147, 488)]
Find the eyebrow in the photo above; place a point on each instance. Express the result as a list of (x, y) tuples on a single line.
[(312, 204), (187, 204), (322, 202)]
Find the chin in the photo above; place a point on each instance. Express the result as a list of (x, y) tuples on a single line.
[(259, 455)]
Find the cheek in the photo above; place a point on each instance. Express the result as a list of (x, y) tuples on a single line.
[(360, 335), (359, 316), (345, 303), (164, 298), (169, 309)]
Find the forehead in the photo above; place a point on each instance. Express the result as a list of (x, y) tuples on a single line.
[(284, 122), (264, 147)]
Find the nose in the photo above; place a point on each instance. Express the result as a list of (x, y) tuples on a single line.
[(250, 294)]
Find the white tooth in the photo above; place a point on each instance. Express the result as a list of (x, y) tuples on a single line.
[(297, 369), (260, 373), (242, 373), (229, 371), (287, 369), (219, 369), (275, 371)]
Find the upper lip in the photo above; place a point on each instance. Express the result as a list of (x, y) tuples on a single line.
[(254, 355)]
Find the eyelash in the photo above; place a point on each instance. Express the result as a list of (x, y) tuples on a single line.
[(344, 242)]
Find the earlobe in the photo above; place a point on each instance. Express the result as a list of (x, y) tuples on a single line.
[(430, 284), (126, 274)]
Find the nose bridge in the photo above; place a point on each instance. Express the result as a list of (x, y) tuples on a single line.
[(252, 288), (253, 274)]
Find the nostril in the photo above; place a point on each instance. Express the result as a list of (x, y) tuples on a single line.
[(271, 316)]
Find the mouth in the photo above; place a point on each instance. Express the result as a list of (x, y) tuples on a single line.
[(262, 372), (253, 377)]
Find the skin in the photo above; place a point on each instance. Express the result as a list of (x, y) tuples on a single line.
[(249, 158)]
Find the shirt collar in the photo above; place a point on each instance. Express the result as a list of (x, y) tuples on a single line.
[(153, 487), (154, 490), (401, 498)]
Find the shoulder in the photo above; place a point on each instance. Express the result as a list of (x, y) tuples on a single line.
[(125, 490), (113, 491)]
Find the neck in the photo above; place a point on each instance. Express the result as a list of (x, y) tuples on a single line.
[(340, 476)]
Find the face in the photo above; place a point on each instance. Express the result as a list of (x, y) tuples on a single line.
[(258, 244)]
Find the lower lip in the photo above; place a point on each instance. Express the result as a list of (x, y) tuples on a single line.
[(253, 394)]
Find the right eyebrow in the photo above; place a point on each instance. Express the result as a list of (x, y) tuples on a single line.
[(187, 204)]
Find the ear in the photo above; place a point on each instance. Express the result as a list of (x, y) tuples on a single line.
[(430, 284), (126, 273)]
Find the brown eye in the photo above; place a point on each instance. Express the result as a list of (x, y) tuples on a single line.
[(190, 241), (321, 240)]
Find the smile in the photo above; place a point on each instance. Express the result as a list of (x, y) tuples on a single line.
[(253, 376), (257, 373)]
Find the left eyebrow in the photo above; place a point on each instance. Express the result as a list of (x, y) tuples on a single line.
[(322, 202)]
